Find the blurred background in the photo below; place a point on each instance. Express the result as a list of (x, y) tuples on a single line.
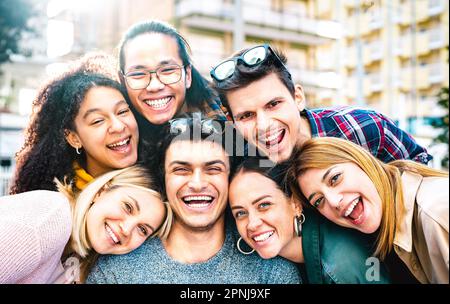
[(391, 56)]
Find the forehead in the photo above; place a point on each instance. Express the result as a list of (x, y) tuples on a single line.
[(258, 93), (249, 185), (150, 49), (101, 97), (196, 152)]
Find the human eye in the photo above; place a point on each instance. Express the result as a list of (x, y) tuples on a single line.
[(124, 111), (316, 203), (97, 121), (245, 116), (136, 74), (214, 169), (168, 69), (180, 170), (273, 104), (143, 230), (264, 205), (128, 207), (335, 179), (239, 214)]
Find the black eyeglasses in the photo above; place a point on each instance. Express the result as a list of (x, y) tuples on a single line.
[(206, 126), (166, 74), (250, 58)]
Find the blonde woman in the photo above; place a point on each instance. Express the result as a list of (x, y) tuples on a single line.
[(40, 231), (405, 205)]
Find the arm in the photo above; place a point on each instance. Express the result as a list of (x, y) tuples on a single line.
[(34, 228)]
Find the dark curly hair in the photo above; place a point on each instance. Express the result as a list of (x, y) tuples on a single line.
[(46, 154)]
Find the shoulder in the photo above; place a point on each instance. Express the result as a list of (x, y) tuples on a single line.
[(346, 254), (36, 206), (131, 267), (433, 200)]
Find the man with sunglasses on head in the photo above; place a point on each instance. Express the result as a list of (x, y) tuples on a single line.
[(201, 247), (268, 108)]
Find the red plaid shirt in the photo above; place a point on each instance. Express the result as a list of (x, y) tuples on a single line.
[(369, 129)]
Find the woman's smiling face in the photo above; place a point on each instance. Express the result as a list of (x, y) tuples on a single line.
[(264, 215), (345, 195)]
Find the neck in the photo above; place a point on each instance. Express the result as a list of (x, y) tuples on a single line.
[(305, 130), (188, 245), (293, 251)]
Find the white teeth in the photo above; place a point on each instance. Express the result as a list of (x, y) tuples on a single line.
[(351, 207), (158, 103), (111, 234), (198, 205), (197, 198), (273, 136), (263, 237), (120, 143)]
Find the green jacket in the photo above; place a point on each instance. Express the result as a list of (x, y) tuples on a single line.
[(337, 255)]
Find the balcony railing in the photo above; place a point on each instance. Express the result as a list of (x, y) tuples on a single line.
[(435, 73), (260, 15)]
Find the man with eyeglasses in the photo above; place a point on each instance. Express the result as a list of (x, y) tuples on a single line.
[(269, 110), (161, 81), (201, 247)]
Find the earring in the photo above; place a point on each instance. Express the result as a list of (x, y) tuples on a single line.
[(78, 151), (298, 221), (242, 251)]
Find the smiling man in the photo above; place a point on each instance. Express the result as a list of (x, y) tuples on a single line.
[(201, 247), (270, 111)]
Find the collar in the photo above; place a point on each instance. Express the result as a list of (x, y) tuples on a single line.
[(403, 234)]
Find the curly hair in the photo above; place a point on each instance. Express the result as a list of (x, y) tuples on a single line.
[(46, 155)]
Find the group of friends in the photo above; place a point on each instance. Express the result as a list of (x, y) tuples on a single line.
[(145, 171)]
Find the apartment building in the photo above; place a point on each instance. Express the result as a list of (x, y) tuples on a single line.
[(397, 59)]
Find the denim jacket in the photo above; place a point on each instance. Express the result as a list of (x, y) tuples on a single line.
[(338, 255)]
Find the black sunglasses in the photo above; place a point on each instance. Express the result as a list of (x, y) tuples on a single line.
[(252, 57)]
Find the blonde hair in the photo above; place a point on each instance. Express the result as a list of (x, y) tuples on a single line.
[(134, 176), (321, 153)]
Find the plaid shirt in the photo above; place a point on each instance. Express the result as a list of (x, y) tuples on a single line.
[(369, 129)]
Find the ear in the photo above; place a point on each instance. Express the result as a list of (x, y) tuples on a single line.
[(299, 97), (188, 77), (73, 139), (298, 208)]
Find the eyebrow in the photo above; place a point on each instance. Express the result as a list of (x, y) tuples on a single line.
[(209, 163), (90, 111), (254, 201), (323, 179), (139, 210)]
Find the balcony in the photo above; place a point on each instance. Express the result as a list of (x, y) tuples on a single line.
[(305, 77), (259, 21), (375, 82), (435, 7)]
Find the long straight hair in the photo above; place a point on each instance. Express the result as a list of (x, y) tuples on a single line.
[(321, 153)]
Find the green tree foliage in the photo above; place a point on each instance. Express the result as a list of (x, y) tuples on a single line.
[(14, 15)]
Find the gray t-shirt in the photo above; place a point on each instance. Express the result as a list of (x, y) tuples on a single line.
[(150, 264)]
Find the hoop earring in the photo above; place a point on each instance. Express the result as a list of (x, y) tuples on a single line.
[(298, 221), (78, 151), (242, 251)]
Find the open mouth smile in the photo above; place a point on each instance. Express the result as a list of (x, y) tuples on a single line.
[(158, 104), (355, 211), (198, 201), (120, 146)]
